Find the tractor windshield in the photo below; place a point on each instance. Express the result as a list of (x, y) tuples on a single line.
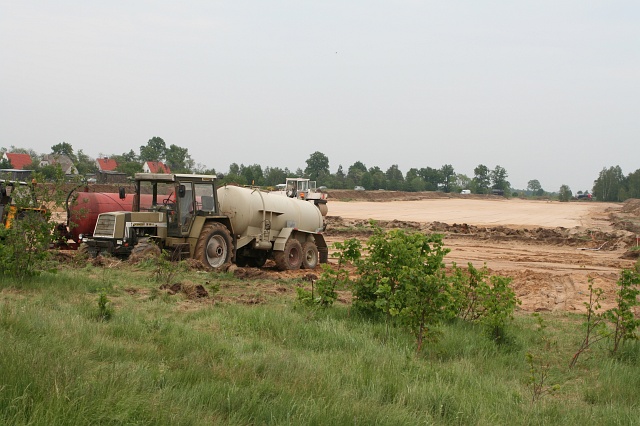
[(154, 194)]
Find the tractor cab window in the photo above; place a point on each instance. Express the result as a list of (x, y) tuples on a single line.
[(153, 195), (205, 197)]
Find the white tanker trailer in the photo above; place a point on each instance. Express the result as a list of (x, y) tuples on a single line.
[(266, 224), (188, 216)]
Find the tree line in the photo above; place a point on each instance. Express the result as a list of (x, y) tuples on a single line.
[(610, 185)]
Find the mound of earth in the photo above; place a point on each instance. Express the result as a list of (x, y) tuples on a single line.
[(381, 195)]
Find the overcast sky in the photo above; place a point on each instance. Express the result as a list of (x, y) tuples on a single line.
[(549, 90)]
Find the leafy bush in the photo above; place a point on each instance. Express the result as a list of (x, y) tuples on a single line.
[(23, 251), (478, 297)]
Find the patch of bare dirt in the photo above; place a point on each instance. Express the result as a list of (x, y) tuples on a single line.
[(551, 266), (190, 290)]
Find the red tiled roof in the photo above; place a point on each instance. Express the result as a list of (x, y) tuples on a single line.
[(158, 167), (18, 161), (107, 164)]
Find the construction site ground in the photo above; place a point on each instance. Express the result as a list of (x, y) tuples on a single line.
[(551, 249)]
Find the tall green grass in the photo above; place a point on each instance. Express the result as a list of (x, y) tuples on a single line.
[(167, 360)]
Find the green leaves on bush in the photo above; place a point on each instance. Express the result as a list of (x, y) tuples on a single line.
[(488, 300), (402, 276)]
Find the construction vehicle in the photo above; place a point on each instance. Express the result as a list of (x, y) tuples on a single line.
[(305, 189), (16, 200), (190, 217)]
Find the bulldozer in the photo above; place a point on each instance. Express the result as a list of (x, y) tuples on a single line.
[(190, 217), (16, 200)]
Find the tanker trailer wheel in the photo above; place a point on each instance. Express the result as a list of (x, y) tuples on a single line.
[(291, 257), (309, 255), (214, 246)]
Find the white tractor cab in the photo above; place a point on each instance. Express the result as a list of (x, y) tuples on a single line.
[(305, 189)]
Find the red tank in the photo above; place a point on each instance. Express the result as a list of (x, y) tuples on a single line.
[(83, 213)]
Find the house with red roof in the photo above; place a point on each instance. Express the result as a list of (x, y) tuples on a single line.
[(106, 164), (18, 161), (155, 167)]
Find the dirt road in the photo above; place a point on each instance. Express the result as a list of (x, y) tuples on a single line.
[(550, 249)]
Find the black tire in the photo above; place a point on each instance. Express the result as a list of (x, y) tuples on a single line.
[(309, 255), (214, 246), (291, 257), (257, 262), (83, 250), (242, 261), (145, 249)]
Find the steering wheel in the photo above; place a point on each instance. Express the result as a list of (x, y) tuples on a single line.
[(168, 199)]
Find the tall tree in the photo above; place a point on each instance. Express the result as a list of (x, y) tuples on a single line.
[(395, 178), (610, 185), (481, 179), (378, 178), (565, 194), (274, 175), (252, 174), (633, 184), (499, 179), (535, 187), (85, 164), (462, 182), (432, 178), (355, 172), (178, 159), (128, 163), (154, 150), (317, 166), (64, 148), (448, 177), (339, 178)]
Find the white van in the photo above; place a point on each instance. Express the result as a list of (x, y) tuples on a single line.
[(465, 191)]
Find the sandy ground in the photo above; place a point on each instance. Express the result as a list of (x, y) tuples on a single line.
[(549, 274), (513, 212)]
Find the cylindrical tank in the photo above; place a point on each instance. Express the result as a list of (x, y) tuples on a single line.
[(245, 208), (84, 211)]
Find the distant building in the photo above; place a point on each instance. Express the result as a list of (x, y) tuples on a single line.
[(16, 175), (111, 177), (155, 167), (18, 161), (106, 164), (62, 160)]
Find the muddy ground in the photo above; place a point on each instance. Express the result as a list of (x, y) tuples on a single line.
[(551, 250), (551, 265)]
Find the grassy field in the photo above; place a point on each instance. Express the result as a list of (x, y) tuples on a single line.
[(247, 354)]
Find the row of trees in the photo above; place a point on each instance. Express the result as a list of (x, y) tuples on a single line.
[(425, 179), (611, 184)]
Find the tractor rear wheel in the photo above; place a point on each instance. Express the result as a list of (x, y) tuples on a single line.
[(214, 246), (291, 257)]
